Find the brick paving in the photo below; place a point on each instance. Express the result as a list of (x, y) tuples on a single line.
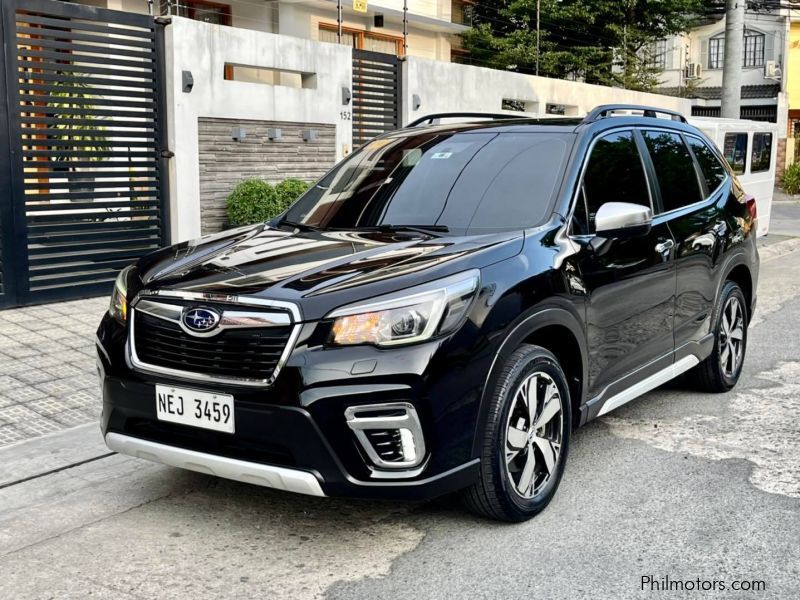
[(48, 379)]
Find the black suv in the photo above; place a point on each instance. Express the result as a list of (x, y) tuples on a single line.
[(440, 311)]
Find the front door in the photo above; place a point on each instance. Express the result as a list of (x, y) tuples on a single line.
[(630, 283), (693, 187)]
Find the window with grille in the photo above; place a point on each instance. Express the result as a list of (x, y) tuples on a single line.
[(753, 49), (716, 52), (752, 55), (657, 55)]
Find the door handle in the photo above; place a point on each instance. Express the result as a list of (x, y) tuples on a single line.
[(664, 247)]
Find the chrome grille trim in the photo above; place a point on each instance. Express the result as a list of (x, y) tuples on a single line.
[(229, 319), (169, 313)]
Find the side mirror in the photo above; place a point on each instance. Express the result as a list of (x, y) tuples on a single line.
[(622, 220)]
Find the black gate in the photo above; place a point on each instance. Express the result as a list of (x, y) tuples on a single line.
[(376, 94), (82, 177)]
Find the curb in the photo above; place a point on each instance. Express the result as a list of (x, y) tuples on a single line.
[(40, 456)]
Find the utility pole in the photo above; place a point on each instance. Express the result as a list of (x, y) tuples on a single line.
[(732, 66), (538, 34), (405, 27), (338, 21)]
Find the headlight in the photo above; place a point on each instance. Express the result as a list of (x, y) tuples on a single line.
[(406, 317), (118, 308)]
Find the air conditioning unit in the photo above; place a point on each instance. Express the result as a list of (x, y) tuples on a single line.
[(772, 70), (693, 71)]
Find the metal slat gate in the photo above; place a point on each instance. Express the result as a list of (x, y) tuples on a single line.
[(376, 94), (82, 178)]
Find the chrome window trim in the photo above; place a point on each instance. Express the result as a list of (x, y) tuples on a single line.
[(586, 157), (139, 365), (701, 203), (656, 216)]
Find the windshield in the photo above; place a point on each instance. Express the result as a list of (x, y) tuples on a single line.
[(468, 182)]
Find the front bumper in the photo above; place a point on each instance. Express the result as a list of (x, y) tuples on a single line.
[(288, 480), (291, 436)]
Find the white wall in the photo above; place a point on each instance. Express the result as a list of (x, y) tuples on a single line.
[(447, 87), (204, 49)]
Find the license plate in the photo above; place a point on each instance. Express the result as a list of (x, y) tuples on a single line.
[(195, 408)]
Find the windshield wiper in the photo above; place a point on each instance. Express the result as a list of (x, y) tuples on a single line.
[(425, 229), (300, 226)]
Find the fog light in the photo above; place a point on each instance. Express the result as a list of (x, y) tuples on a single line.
[(390, 435)]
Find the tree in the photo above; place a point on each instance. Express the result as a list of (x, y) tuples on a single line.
[(599, 41)]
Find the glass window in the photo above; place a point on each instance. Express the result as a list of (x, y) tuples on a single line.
[(712, 169), (465, 181), (657, 55), (735, 151), (677, 178), (331, 36), (753, 49), (761, 155), (381, 44), (752, 55), (716, 52), (614, 173)]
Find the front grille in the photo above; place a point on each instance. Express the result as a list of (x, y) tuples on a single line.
[(233, 353)]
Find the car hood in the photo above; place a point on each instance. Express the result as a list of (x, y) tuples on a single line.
[(278, 264)]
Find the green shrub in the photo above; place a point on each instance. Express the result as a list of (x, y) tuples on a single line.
[(290, 190), (253, 201), (791, 179)]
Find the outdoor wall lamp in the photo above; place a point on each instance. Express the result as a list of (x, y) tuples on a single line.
[(274, 133), (347, 95), (309, 135), (187, 81), (238, 134), (416, 102)]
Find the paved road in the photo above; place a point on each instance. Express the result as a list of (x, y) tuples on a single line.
[(675, 484), (785, 215)]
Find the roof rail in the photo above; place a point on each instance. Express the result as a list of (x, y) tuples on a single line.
[(429, 119), (605, 110)]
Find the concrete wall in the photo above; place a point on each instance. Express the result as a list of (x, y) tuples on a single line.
[(204, 49), (443, 87), (225, 162)]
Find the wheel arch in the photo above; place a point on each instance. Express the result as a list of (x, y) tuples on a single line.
[(555, 328), (741, 275)]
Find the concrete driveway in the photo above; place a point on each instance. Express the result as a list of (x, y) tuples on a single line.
[(677, 484)]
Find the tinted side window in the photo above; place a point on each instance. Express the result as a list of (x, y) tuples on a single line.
[(762, 152), (675, 171), (614, 173), (713, 171), (735, 151)]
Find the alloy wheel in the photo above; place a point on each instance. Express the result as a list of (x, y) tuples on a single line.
[(731, 337), (534, 432)]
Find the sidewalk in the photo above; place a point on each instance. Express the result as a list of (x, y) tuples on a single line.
[(48, 379)]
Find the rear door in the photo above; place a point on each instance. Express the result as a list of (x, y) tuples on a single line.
[(630, 283), (693, 187)]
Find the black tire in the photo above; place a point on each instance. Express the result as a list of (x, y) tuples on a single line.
[(710, 375), (496, 494)]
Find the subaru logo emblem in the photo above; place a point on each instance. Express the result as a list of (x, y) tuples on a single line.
[(201, 319)]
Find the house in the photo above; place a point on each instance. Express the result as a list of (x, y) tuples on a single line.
[(793, 90), (431, 26), (691, 65)]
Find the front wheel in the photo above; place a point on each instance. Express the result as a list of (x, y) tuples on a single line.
[(721, 370), (525, 440)]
